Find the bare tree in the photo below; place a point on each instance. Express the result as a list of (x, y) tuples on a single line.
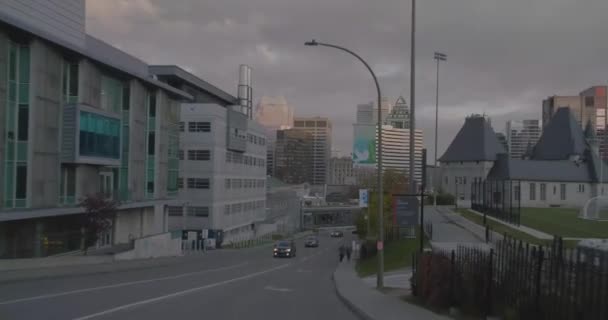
[(99, 214)]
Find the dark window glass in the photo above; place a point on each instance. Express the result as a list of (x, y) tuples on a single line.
[(23, 126), (589, 101), (126, 97), (181, 126), (151, 143), (150, 186), (21, 183), (152, 111), (73, 89)]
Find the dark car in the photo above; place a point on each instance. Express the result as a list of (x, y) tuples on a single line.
[(284, 248), (336, 234), (311, 242)]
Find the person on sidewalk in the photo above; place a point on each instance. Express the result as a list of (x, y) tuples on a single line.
[(349, 251), (341, 251)]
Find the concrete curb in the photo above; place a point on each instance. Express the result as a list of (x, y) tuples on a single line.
[(351, 306)]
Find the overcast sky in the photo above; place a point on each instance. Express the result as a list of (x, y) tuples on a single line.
[(504, 57)]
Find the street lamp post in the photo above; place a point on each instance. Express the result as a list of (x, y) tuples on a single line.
[(380, 275), (439, 57), (412, 166)]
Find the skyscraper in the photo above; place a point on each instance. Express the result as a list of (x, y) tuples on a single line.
[(590, 105), (341, 171), (294, 156), (520, 134), (396, 150), (321, 130), (273, 113), (399, 117)]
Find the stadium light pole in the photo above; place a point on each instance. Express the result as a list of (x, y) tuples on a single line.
[(438, 57), (380, 274)]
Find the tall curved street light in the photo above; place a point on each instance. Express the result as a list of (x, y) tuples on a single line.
[(439, 57), (380, 275)]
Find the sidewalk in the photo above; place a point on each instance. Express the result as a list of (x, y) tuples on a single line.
[(370, 304), (450, 230)]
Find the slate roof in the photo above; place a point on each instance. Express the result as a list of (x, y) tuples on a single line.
[(561, 138), (476, 141), (506, 168)]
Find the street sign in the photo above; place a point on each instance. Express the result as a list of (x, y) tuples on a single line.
[(363, 198), (405, 209)]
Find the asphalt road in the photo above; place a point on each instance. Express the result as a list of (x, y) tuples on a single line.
[(226, 284)]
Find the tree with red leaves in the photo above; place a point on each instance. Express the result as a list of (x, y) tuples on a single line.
[(99, 213)]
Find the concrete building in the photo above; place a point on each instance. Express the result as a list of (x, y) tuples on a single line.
[(341, 171), (80, 117), (368, 113), (294, 156), (469, 158), (521, 135), (222, 153), (321, 130)]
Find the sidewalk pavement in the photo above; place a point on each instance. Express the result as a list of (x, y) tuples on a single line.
[(399, 279), (370, 304)]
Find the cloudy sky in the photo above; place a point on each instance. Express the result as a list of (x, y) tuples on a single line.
[(504, 57)]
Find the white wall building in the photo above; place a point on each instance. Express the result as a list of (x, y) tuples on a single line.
[(396, 150), (225, 188), (341, 171)]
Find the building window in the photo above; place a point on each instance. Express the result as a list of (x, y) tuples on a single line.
[(180, 154), (199, 126), (180, 183), (198, 212), (532, 191), (589, 101), (198, 183), (112, 94), (70, 82), (543, 192), (227, 183), (516, 192), (199, 155), (554, 190), (581, 188), (151, 143), (562, 191), (181, 126), (99, 136), (227, 209), (175, 211)]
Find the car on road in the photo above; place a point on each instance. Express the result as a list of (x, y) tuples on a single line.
[(336, 234), (311, 242), (284, 248)]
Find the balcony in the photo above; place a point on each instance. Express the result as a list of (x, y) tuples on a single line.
[(90, 136)]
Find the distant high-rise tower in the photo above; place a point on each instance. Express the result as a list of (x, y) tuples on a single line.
[(320, 129), (274, 113), (520, 134), (294, 156), (399, 117)]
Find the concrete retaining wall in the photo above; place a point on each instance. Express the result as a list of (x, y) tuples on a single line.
[(161, 245)]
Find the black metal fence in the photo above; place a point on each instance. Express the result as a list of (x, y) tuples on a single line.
[(516, 280), (498, 198)]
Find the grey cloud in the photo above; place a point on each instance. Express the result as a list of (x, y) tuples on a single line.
[(504, 57)]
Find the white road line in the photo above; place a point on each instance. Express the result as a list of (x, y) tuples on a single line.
[(118, 285), (180, 293)]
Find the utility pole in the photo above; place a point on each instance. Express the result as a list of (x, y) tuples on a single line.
[(439, 57), (412, 167)]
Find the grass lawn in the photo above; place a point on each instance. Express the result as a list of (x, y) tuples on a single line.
[(397, 255), (563, 222), (514, 233)]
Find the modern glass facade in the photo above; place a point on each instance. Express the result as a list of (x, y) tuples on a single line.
[(173, 159), (17, 126), (69, 87), (150, 144), (99, 136)]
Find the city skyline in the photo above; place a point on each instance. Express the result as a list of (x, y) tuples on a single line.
[(261, 33)]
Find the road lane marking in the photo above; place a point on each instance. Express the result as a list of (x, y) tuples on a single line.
[(271, 288), (181, 293), (118, 285)]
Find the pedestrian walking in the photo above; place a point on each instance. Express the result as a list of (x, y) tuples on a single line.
[(349, 251), (341, 251)]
